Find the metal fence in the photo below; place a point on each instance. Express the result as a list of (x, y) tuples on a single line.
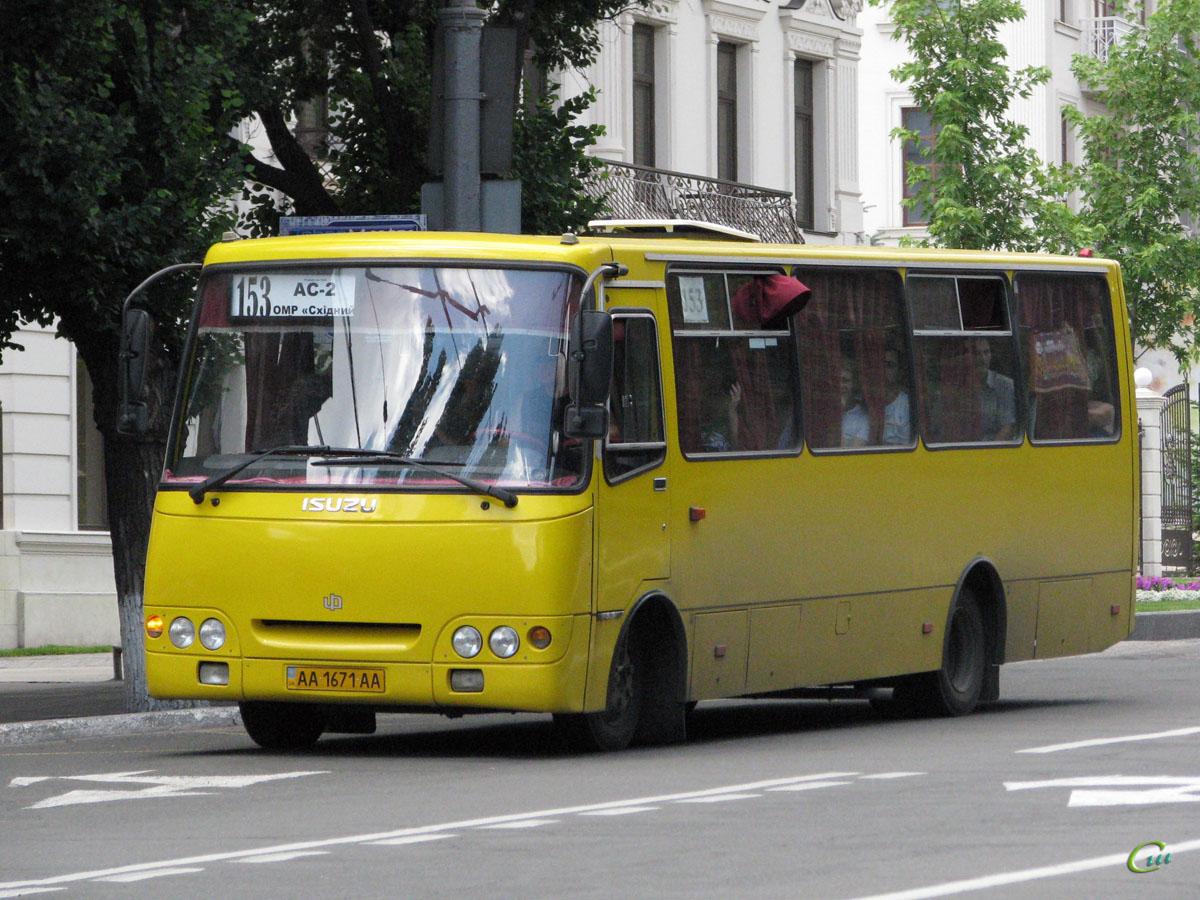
[(641, 192), (1177, 479)]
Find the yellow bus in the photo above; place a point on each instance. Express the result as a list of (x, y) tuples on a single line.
[(609, 477)]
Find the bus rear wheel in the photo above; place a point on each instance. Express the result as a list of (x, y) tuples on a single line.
[(614, 727), (955, 689), (282, 726)]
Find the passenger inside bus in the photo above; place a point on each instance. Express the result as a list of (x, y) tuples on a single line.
[(997, 398), (856, 424)]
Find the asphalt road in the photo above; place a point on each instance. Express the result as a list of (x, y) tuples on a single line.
[(1042, 795)]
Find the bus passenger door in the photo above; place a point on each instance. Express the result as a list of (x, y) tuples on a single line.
[(633, 543)]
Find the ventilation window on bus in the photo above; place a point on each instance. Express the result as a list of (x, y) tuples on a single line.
[(966, 362), (636, 439), (734, 360), (1065, 331), (855, 365)]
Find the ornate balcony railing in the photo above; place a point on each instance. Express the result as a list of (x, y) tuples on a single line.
[(641, 192), (1100, 34)]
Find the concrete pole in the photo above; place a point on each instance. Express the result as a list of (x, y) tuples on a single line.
[(1150, 405), (462, 23)]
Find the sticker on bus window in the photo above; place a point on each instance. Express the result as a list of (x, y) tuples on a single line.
[(288, 295), (693, 299)]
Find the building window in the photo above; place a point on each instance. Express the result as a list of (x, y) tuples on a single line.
[(805, 186), (312, 126), (921, 122), (727, 111), (1064, 137), (643, 95), (92, 500)]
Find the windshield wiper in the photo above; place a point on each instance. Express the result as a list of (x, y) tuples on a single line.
[(357, 457), (197, 493)]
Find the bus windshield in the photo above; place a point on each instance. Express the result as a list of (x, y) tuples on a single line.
[(462, 368)]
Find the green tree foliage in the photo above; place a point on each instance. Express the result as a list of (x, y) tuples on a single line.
[(1141, 173), (369, 63), (984, 186), (113, 119)]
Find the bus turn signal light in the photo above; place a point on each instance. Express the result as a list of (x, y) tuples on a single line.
[(154, 626), (539, 636)]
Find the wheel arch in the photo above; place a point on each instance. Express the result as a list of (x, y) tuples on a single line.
[(981, 577), (659, 630)]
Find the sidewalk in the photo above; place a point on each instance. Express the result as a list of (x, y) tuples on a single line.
[(75, 695), (55, 697)]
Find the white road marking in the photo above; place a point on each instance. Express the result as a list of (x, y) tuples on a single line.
[(282, 857), (968, 885), (160, 785), (143, 876), (1139, 790), (1099, 742), (809, 786), (719, 798), (621, 811), (886, 775), (524, 823), (413, 839), (378, 837)]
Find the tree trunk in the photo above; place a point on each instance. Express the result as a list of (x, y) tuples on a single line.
[(132, 469)]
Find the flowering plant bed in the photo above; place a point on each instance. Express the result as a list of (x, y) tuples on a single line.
[(1162, 594)]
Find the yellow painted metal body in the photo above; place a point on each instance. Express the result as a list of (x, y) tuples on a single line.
[(806, 569)]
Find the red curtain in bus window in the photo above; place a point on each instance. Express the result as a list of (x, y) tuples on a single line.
[(958, 411), (851, 314), (1053, 314), (764, 303)]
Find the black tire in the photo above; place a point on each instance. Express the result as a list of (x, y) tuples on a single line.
[(955, 689), (282, 726), (613, 728)]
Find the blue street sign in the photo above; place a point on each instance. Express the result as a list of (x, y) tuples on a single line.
[(338, 224)]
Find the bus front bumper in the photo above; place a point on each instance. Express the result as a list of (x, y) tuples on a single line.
[(529, 687)]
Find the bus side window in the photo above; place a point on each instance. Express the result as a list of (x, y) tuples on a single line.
[(1065, 326), (968, 371), (855, 364), (734, 352), (636, 440)]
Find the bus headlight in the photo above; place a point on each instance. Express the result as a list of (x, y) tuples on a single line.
[(182, 632), (504, 641), (212, 634), (467, 641)]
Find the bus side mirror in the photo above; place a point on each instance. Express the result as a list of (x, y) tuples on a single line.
[(131, 375), (591, 364)]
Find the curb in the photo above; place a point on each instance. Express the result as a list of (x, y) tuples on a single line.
[(128, 723), (1173, 625)]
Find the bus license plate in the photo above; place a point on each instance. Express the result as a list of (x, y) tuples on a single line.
[(335, 678)]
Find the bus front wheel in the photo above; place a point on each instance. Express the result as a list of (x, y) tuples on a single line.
[(282, 726), (955, 689), (614, 727)]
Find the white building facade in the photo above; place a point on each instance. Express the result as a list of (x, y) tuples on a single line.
[(747, 91), (1050, 35), (56, 570)]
